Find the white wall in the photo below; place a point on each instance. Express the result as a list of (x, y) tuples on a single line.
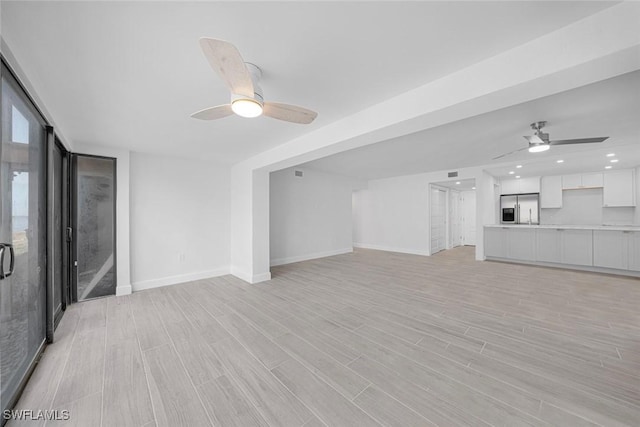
[(310, 216), (180, 218), (393, 214)]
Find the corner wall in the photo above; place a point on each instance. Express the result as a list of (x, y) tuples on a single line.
[(180, 218), (310, 216)]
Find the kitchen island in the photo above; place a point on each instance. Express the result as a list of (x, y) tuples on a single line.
[(601, 248)]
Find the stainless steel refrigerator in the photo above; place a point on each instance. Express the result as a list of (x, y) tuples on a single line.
[(520, 209)]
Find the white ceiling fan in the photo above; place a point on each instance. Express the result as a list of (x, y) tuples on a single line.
[(243, 79), (539, 141)]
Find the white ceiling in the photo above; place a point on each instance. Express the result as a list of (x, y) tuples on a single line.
[(129, 74), (607, 108)]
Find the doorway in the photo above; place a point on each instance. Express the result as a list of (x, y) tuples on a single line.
[(452, 214)]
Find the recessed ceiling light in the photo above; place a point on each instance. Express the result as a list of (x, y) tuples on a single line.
[(473, 188), (611, 154), (559, 161), (519, 166), (511, 172), (517, 176), (607, 167), (614, 160), (457, 182)]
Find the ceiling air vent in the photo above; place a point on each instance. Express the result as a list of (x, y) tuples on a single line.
[(453, 174), (298, 173)]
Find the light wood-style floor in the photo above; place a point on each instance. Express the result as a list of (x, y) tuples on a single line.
[(369, 338)]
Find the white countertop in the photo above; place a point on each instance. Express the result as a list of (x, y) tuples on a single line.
[(570, 227)]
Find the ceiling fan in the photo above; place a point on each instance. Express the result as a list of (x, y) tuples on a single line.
[(243, 79), (539, 141)]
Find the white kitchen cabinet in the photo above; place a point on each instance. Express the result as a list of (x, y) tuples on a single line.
[(521, 244), (520, 185), (585, 180), (495, 241), (509, 186), (551, 192), (619, 188), (611, 249), (548, 245), (576, 246), (570, 182), (530, 185), (634, 250), (592, 180)]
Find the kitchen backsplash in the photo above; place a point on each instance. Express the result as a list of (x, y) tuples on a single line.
[(584, 207)]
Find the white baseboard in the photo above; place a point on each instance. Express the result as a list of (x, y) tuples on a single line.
[(391, 249), (250, 278), (289, 260), (123, 290), (181, 278)]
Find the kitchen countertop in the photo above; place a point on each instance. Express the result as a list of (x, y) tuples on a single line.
[(570, 227)]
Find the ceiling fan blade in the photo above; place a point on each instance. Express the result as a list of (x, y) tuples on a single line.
[(213, 113), (534, 139), (578, 141), (510, 152), (228, 63), (289, 113)]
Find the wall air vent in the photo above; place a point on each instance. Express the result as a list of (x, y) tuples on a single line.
[(453, 174), (298, 173)]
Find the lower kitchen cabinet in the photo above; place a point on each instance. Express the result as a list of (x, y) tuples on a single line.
[(521, 244), (495, 242), (548, 245), (634, 250), (611, 249), (576, 246)]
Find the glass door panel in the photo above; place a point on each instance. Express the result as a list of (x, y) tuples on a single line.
[(95, 225), (22, 238)]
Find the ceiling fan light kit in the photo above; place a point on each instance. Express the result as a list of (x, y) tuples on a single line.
[(243, 80), (539, 141), (539, 148), (246, 107)]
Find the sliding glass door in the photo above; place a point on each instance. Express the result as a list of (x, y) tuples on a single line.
[(22, 238)]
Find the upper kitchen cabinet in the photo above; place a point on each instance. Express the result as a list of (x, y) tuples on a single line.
[(619, 188), (551, 192), (586, 180), (520, 185)]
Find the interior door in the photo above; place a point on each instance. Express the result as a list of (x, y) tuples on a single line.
[(455, 219), (22, 238), (438, 219), (469, 217)]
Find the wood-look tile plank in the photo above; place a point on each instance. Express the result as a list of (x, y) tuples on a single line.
[(227, 405), (199, 360), (149, 328), (83, 373), (265, 350), (274, 401), (175, 400), (84, 412), (330, 370), (120, 324), (126, 400), (330, 406), (387, 410)]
